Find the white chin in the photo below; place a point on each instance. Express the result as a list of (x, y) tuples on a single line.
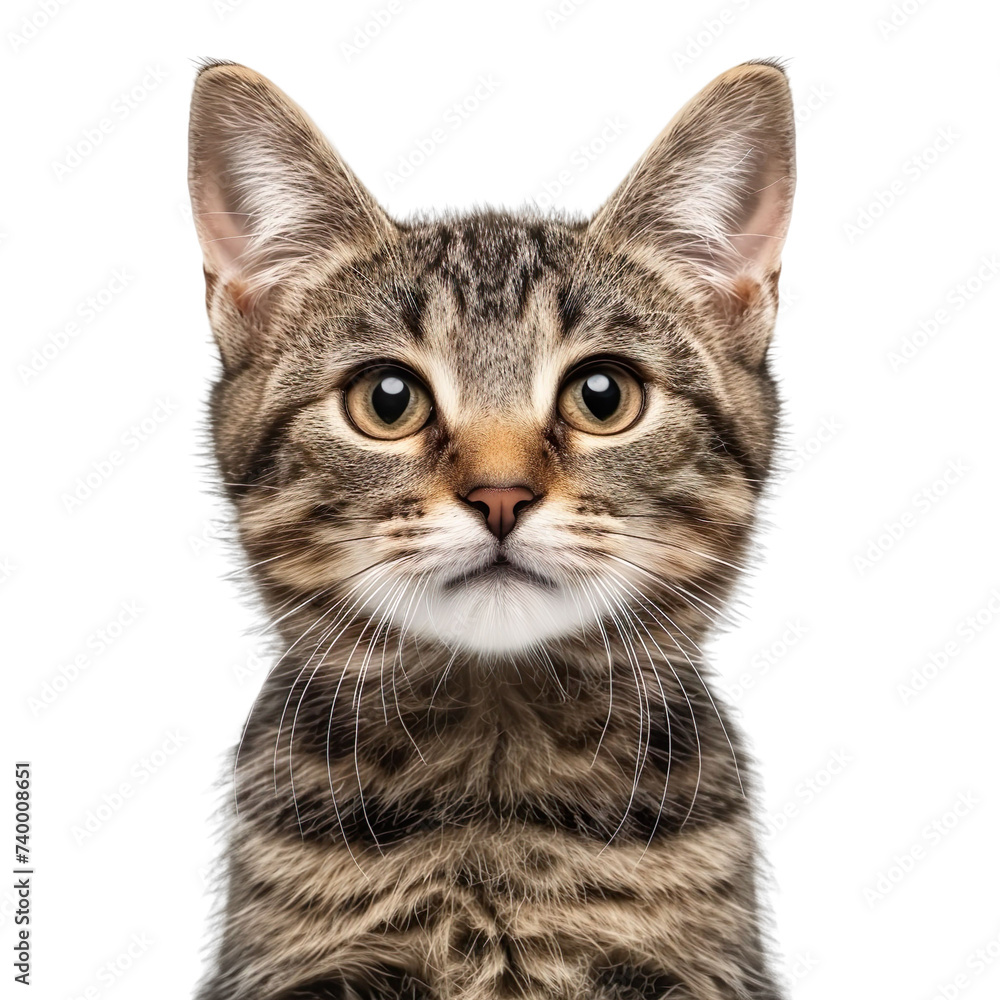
[(498, 617)]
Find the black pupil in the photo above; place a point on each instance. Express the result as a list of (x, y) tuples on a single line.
[(390, 398), (601, 394)]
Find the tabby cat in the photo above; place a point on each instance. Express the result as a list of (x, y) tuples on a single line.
[(494, 474)]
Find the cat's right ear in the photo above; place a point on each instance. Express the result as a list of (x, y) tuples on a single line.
[(270, 195)]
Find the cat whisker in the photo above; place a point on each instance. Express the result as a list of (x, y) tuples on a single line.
[(329, 770), (598, 618), (273, 622), (252, 486), (392, 675), (271, 672), (660, 612), (641, 705), (399, 644), (333, 704), (678, 591), (400, 586), (694, 718), (381, 570), (666, 707), (739, 568)]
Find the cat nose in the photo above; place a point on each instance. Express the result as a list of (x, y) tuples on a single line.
[(500, 505)]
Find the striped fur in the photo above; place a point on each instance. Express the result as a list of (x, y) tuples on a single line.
[(465, 788)]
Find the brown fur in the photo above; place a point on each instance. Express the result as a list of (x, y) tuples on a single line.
[(452, 787)]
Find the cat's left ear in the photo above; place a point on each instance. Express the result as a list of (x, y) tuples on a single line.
[(708, 204), (270, 195)]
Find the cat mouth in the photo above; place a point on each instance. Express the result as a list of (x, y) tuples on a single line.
[(500, 570)]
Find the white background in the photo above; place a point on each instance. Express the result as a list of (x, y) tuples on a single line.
[(863, 776)]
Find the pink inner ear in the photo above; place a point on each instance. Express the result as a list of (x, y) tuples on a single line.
[(224, 232), (763, 231)]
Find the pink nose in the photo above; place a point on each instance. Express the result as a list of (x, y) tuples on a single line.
[(500, 505)]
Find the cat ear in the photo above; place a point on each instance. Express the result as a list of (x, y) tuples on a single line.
[(269, 193), (710, 199)]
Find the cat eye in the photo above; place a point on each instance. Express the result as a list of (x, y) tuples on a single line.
[(601, 398), (388, 402)]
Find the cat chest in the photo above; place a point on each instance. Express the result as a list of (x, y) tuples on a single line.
[(489, 912)]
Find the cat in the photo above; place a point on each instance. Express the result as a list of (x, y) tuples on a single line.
[(494, 474)]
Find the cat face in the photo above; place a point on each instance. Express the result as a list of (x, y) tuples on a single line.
[(493, 431)]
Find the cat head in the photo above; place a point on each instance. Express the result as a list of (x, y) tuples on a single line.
[(496, 431)]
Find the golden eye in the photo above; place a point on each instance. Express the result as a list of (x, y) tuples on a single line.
[(388, 402), (601, 398)]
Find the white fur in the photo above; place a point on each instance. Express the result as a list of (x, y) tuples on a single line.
[(496, 615)]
